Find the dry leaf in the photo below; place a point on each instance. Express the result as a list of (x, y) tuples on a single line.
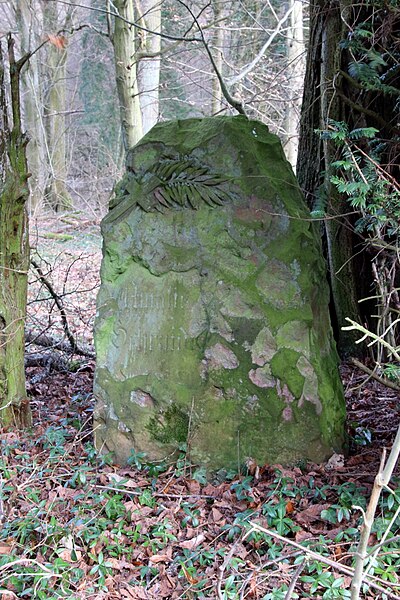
[(216, 515), (157, 558), (302, 535), (289, 507), (192, 580), (120, 564), (59, 41), (311, 514), (336, 461), (5, 549), (137, 592), (193, 487), (337, 550), (66, 555), (253, 593), (193, 542)]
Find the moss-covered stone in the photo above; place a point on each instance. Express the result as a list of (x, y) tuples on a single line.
[(212, 324)]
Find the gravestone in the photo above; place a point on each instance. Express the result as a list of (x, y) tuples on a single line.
[(212, 324)]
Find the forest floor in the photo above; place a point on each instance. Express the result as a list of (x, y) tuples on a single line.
[(75, 526)]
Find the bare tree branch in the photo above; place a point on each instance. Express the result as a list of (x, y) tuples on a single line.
[(234, 102), (134, 24), (261, 53), (74, 348)]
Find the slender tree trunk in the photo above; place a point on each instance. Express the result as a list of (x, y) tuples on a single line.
[(14, 250), (124, 43), (296, 70), (57, 195), (149, 68), (217, 49), (320, 103), (31, 87)]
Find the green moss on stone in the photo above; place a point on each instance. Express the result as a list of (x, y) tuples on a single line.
[(171, 425), (284, 368)]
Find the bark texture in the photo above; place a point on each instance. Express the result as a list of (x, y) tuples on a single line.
[(57, 195), (321, 103), (14, 249), (125, 43), (149, 66), (296, 68)]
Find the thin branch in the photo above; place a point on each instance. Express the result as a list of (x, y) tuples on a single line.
[(368, 112), (375, 338), (381, 481), (262, 51), (371, 373), (295, 577), (323, 559), (49, 341), (133, 24), (74, 346), (234, 102)]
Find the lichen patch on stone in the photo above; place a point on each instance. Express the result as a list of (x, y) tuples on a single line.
[(264, 347), (262, 377), (221, 357), (141, 398)]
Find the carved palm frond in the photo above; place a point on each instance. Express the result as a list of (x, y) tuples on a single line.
[(172, 183)]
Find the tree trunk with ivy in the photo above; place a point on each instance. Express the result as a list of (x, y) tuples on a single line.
[(337, 89), (14, 248)]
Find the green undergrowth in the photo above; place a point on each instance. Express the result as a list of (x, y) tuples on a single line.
[(74, 526)]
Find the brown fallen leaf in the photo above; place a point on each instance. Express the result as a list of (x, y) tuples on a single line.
[(70, 555), (193, 542), (311, 514), (289, 507), (136, 592), (216, 515), (59, 41), (302, 535), (157, 558), (192, 580)]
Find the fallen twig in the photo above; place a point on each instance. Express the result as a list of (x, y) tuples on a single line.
[(323, 559), (295, 577), (49, 341), (371, 373)]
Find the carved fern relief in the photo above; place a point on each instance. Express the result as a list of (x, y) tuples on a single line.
[(172, 183)]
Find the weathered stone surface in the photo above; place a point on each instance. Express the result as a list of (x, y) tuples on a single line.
[(212, 324)]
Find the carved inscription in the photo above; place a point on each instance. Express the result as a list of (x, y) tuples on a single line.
[(134, 298), (145, 314), (145, 342)]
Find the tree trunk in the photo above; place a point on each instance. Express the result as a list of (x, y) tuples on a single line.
[(149, 68), (218, 39), (57, 195), (14, 250), (296, 69), (31, 86), (320, 103), (124, 43)]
